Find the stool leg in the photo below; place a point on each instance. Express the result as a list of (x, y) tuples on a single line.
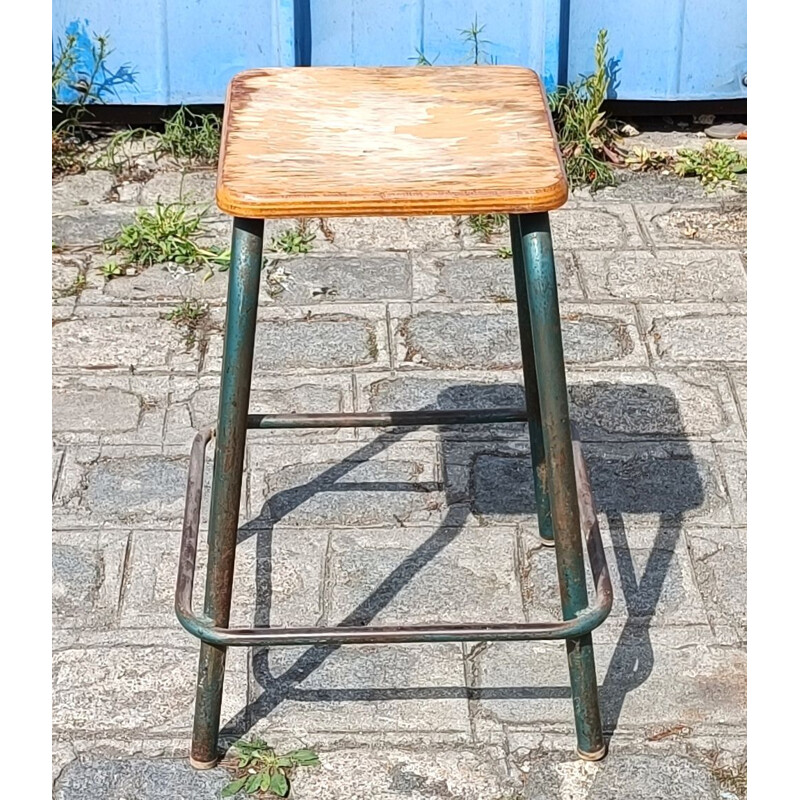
[(540, 487), (540, 276), (234, 396)]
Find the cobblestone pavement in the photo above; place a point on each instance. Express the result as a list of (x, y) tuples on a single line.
[(395, 313)]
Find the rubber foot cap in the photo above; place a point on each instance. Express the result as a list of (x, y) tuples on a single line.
[(597, 755), (203, 764)]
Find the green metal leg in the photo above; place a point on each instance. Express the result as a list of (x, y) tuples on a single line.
[(542, 293), (237, 364), (541, 490)]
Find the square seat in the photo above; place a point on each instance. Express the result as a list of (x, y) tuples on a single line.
[(388, 141)]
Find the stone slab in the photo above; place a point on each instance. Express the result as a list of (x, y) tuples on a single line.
[(487, 337), (680, 335), (666, 275), (481, 277)]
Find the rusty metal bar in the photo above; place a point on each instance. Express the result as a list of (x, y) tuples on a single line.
[(540, 478), (234, 397), (545, 320), (220, 636), (388, 418)]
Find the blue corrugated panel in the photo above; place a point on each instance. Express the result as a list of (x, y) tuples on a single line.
[(180, 51), (394, 32), (185, 51), (667, 50)]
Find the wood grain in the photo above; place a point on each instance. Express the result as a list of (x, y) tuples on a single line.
[(388, 141)]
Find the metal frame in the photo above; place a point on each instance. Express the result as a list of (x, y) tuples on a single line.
[(563, 494)]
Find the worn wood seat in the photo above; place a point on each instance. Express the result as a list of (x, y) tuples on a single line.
[(339, 141)]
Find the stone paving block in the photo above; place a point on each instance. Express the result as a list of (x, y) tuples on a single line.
[(112, 410), (387, 775), (592, 228), (645, 679), (414, 576), (690, 334), (87, 577), (66, 270), (109, 408), (719, 225), (369, 485), (120, 342), (359, 690), (87, 226), (185, 187), (720, 564), (647, 482), (111, 487), (160, 285), (85, 189), (652, 187), (63, 308), (487, 277), (376, 774), (651, 575), (620, 776), (487, 337), (666, 275), (316, 278), (96, 778), (135, 688), (650, 482), (277, 579), (608, 406), (734, 465), (391, 233), (312, 338)]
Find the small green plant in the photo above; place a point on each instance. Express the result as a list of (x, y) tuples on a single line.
[(76, 287), (259, 770), (85, 83), (421, 59), (188, 316), (640, 159), (504, 252), (190, 136), (487, 225), (587, 138), (168, 234), (293, 241), (111, 269), (472, 36), (715, 164)]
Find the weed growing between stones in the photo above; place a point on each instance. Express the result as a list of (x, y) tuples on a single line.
[(188, 317), (587, 137), (716, 164), (293, 241), (260, 771), (484, 226), (187, 137), (168, 234)]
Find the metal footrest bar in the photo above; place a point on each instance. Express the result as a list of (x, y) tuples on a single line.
[(388, 418), (203, 629)]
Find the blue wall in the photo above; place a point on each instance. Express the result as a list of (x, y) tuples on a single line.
[(186, 51)]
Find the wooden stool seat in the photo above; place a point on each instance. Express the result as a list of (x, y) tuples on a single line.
[(388, 141)]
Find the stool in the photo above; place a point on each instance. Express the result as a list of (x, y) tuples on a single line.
[(395, 142)]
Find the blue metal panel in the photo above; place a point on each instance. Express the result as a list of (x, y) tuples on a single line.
[(185, 51), (391, 33), (671, 50), (180, 51)]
